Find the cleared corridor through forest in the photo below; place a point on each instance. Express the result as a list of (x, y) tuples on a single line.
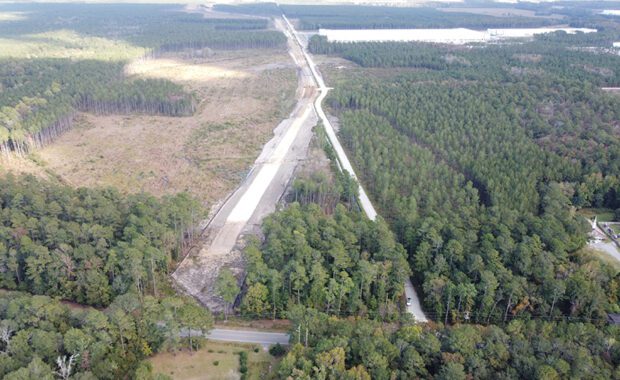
[(257, 197)]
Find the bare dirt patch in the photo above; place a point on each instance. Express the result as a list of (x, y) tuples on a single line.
[(206, 154), (181, 70)]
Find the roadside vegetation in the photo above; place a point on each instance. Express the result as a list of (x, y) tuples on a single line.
[(358, 348), (90, 247), (340, 264), (43, 337)]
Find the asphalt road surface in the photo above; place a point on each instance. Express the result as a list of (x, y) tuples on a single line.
[(258, 337), (242, 336), (608, 247), (414, 307)]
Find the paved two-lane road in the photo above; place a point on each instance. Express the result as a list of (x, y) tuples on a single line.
[(242, 336), (246, 336)]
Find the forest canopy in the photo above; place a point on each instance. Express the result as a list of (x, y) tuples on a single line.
[(381, 17), (325, 347), (479, 157), (89, 245)]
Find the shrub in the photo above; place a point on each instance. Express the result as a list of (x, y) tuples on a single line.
[(277, 350), (243, 362)]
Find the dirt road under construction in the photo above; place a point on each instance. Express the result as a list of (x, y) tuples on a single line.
[(257, 196)]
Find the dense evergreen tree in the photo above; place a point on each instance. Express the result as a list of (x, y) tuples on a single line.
[(340, 264), (381, 17), (478, 162), (88, 245), (40, 336), (330, 348)]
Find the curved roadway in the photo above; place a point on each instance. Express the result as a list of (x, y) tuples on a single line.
[(414, 306)]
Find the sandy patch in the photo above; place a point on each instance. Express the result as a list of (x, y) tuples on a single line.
[(177, 70), (12, 16)]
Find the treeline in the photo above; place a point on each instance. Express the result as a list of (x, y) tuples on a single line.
[(151, 96), (41, 97), (89, 245), (475, 262), (381, 54), (373, 17), (42, 338), (147, 25), (535, 99), (340, 264), (224, 40), (380, 17), (353, 348), (555, 55)]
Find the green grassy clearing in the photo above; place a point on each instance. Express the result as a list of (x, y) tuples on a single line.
[(201, 364), (601, 256), (602, 214)]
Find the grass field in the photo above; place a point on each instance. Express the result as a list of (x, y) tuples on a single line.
[(602, 214), (601, 256), (201, 365), (67, 44)]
